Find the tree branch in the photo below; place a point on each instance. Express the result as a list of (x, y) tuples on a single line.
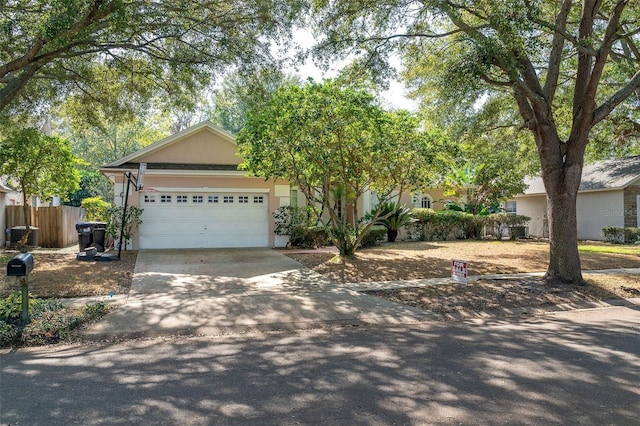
[(555, 57), (605, 109)]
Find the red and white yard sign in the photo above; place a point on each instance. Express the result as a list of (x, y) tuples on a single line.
[(459, 271)]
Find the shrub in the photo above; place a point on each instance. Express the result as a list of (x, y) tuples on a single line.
[(309, 237), (613, 234), (299, 223), (472, 225), (618, 235), (631, 235), (373, 236), (96, 208), (442, 224), (501, 223)]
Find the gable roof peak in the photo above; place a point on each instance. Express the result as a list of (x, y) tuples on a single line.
[(173, 138)]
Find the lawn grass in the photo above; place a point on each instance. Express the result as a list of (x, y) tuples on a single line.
[(605, 248)]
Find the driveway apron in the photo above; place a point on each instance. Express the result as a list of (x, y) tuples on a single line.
[(237, 290)]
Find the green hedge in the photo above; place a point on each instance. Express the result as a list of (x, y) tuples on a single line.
[(618, 235), (445, 224), (442, 224)]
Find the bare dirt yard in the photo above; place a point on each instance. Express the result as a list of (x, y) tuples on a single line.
[(417, 260), (58, 274)]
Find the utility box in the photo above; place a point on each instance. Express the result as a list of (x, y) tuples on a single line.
[(20, 266)]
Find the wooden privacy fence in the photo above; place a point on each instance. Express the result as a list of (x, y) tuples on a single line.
[(57, 224)]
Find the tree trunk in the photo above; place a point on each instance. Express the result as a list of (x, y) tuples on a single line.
[(562, 173), (564, 259), (26, 214)]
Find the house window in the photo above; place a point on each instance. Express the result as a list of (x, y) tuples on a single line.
[(425, 202), (510, 207), (422, 201), (213, 198), (165, 198), (293, 198), (243, 199), (258, 199), (197, 199), (227, 199), (181, 198), (149, 199)]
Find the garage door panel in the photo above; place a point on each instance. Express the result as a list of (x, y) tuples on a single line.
[(204, 224)]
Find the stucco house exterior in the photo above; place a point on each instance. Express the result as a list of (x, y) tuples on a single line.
[(609, 195), (194, 196)]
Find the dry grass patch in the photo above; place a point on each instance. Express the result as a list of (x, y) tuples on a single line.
[(417, 260), (60, 275)]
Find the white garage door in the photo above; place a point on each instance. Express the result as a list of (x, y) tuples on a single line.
[(201, 220)]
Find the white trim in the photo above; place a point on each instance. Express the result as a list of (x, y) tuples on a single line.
[(168, 189), (165, 172)]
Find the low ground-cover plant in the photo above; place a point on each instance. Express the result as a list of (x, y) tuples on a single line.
[(51, 321)]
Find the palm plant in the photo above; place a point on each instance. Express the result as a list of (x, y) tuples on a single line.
[(393, 217)]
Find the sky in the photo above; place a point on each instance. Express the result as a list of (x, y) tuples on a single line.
[(392, 98)]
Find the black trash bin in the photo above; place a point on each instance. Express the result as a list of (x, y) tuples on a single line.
[(99, 232), (84, 235), (91, 234)]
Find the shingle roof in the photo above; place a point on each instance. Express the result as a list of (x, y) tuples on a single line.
[(602, 175)]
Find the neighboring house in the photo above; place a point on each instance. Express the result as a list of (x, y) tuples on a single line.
[(609, 195), (194, 196), (8, 197)]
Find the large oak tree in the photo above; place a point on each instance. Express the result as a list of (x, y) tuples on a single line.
[(568, 65), (50, 48)]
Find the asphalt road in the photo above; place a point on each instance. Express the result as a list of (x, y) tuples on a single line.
[(581, 367)]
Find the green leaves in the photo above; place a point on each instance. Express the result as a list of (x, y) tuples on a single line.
[(40, 165), (49, 50), (335, 143)]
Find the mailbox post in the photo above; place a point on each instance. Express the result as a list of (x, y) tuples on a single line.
[(19, 267)]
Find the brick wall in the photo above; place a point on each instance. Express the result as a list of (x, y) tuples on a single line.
[(630, 205)]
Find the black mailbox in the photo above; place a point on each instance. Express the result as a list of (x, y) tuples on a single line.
[(20, 265)]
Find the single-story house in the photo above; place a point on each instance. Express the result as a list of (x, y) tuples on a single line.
[(609, 195), (194, 196)]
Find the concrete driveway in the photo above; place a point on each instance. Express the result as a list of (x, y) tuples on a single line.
[(234, 290)]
